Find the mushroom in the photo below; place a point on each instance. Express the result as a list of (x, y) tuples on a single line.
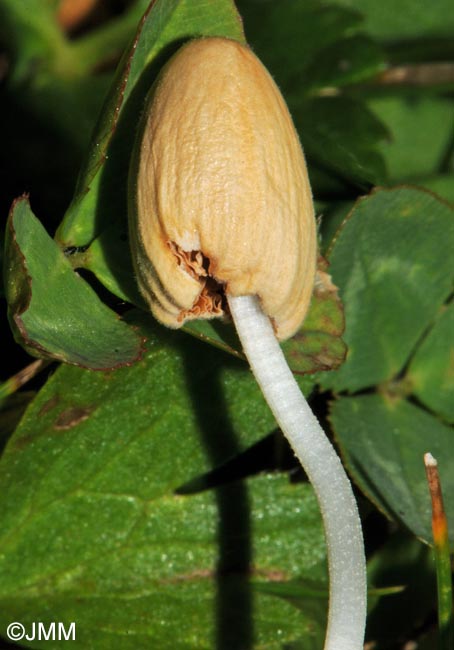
[(222, 223)]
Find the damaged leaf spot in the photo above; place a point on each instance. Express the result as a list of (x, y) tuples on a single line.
[(71, 417)]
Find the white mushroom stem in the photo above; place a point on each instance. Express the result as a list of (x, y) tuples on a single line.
[(344, 539)]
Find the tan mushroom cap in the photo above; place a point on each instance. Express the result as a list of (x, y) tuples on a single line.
[(220, 196)]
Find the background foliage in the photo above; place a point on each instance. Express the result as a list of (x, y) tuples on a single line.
[(150, 500)]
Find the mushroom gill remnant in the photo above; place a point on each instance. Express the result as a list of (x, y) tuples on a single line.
[(211, 302)]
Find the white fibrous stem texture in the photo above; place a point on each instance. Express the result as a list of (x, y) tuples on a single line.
[(347, 567)]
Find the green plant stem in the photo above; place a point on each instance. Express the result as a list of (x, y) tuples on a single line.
[(15, 382), (442, 556)]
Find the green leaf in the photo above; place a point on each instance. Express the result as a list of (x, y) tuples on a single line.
[(442, 185), (431, 372), (215, 332), (406, 19), (52, 311), (156, 585), (417, 124), (311, 599), (181, 388), (101, 192), (109, 258), (383, 441), (148, 576), (392, 264), (93, 531), (308, 45), (340, 135), (347, 61), (289, 35)]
